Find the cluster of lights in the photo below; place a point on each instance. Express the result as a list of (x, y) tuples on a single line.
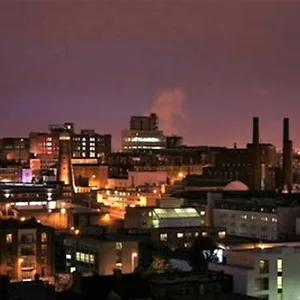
[(143, 139), (75, 231)]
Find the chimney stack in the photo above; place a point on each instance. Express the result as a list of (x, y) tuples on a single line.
[(64, 167), (287, 156), (256, 165)]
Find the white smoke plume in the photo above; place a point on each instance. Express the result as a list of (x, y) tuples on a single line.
[(169, 105)]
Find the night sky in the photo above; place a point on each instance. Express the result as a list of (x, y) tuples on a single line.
[(207, 68)]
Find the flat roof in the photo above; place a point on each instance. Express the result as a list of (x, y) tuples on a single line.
[(12, 223), (187, 212)]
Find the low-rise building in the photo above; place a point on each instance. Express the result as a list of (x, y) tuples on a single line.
[(262, 218), (27, 248), (101, 253), (91, 175), (154, 217), (266, 273)]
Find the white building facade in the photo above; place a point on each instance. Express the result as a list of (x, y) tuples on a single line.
[(271, 273)]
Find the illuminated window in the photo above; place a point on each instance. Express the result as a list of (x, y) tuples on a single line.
[(187, 245), (163, 237), (279, 265), (118, 265), (222, 234), (119, 246), (85, 257), (92, 258), (263, 266), (180, 235), (9, 238), (279, 282), (196, 234), (77, 255), (204, 233), (44, 237)]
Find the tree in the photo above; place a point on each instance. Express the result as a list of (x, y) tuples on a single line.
[(201, 253), (159, 265)]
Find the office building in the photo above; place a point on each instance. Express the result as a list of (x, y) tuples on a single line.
[(173, 142), (144, 123), (143, 135), (89, 144), (137, 140)]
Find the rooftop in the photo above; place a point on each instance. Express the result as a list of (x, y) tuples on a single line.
[(12, 223), (188, 212)]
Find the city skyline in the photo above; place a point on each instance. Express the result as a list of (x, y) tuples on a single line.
[(98, 63)]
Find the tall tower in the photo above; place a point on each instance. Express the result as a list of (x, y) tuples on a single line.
[(64, 168), (287, 156), (256, 163)]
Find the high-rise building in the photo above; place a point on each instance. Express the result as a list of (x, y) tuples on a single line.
[(144, 122), (89, 144), (173, 141), (44, 144), (144, 134), (84, 145)]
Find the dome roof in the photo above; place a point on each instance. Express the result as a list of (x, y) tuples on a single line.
[(236, 186)]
